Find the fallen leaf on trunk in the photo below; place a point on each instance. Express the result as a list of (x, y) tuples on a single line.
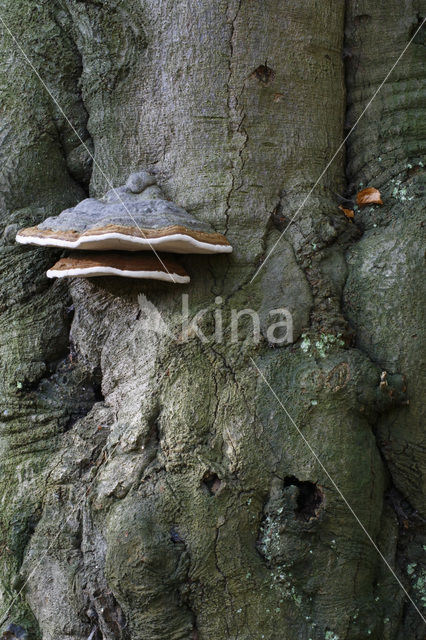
[(370, 195), (349, 213)]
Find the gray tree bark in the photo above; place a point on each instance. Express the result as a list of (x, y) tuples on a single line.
[(153, 488)]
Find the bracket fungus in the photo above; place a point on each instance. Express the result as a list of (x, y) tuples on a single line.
[(135, 217), (115, 263)]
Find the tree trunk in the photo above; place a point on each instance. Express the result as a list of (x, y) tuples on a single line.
[(152, 487)]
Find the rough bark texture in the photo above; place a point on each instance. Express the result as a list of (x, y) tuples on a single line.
[(153, 488)]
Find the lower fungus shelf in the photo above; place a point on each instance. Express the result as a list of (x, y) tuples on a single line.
[(113, 263)]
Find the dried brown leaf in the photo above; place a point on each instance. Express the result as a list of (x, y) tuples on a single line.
[(349, 213), (370, 195)]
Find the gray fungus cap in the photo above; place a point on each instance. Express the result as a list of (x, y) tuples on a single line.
[(134, 217)]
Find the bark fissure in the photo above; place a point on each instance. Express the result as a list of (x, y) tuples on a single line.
[(236, 116)]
